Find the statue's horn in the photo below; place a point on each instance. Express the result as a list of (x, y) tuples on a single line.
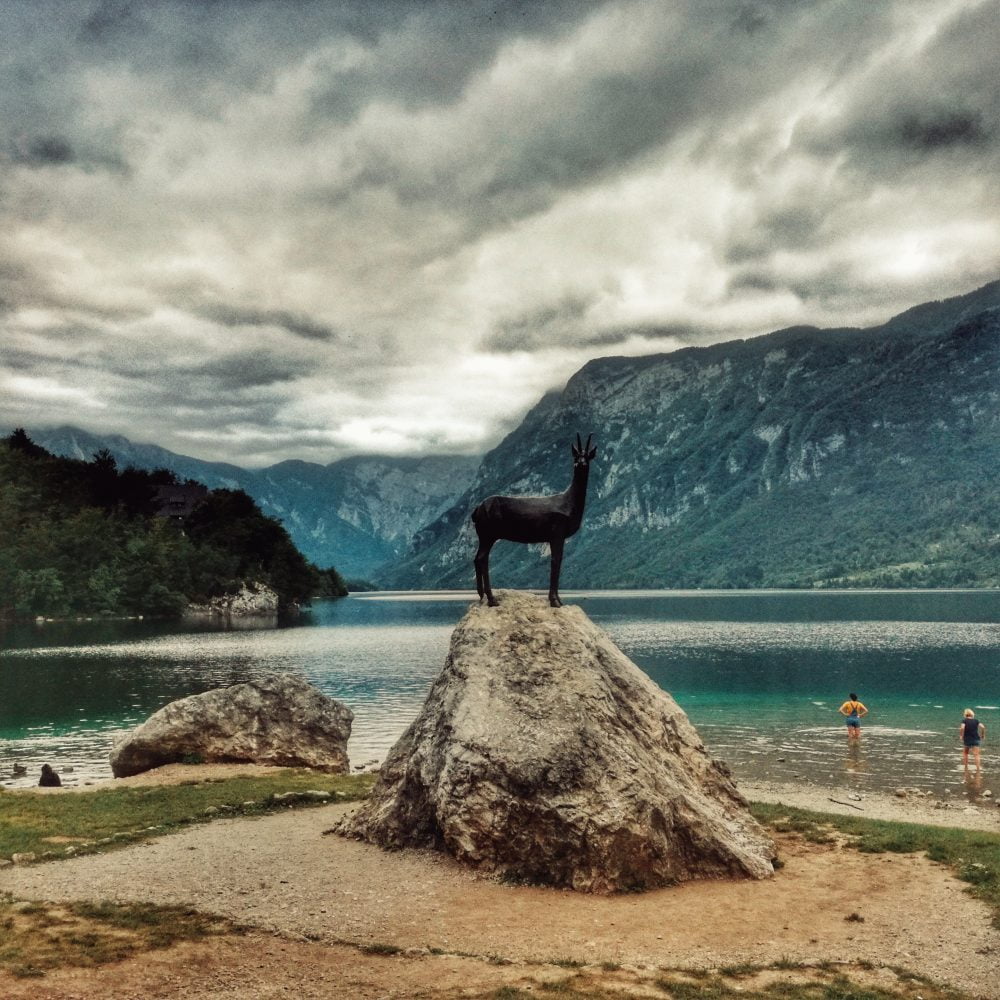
[(579, 443), (587, 446)]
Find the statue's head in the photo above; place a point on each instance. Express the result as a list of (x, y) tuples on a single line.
[(583, 454)]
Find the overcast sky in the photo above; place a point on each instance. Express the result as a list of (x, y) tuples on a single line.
[(251, 231)]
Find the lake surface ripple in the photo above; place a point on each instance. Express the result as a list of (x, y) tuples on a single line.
[(761, 675)]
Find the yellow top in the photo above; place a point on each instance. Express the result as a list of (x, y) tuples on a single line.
[(853, 708)]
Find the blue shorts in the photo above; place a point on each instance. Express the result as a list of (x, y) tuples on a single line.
[(854, 721), (972, 743)]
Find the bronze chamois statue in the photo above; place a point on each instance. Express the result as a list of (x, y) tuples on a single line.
[(533, 519)]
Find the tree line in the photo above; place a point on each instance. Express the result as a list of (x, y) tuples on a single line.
[(85, 537)]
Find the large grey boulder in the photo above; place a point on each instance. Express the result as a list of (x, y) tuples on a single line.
[(544, 754), (280, 719)]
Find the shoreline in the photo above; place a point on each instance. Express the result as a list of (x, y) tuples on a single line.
[(913, 807)]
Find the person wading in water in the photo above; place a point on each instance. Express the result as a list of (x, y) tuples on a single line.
[(854, 710), (972, 732)]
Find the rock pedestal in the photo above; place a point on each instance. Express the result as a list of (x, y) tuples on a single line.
[(544, 754), (280, 719)]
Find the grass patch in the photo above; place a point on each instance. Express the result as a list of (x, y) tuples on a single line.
[(805, 983), (38, 937), (814, 986), (561, 987), (109, 817), (380, 948), (742, 969), (973, 855)]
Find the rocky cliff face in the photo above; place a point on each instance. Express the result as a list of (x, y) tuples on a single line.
[(252, 599), (355, 514), (806, 457), (543, 753), (362, 512)]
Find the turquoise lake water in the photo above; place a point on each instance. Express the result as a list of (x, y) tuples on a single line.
[(760, 673)]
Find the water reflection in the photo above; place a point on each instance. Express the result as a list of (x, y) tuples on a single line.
[(855, 763), (973, 782)]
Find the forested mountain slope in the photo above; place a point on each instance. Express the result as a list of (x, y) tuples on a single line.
[(83, 538), (355, 514)]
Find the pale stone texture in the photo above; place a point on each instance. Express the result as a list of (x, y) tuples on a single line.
[(279, 719), (544, 754), (251, 599)]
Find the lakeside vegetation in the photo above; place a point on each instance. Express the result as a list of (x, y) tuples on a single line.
[(86, 538), (89, 822)]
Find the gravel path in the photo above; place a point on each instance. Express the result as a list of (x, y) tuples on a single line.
[(280, 873)]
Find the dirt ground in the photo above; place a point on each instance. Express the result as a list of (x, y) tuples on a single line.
[(314, 902)]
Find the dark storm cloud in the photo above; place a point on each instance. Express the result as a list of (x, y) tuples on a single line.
[(549, 326), (564, 324), (243, 370), (300, 326), (17, 281), (791, 227), (695, 67), (96, 359), (20, 360), (836, 287), (228, 378), (943, 129), (425, 52), (420, 50), (45, 150), (904, 129), (113, 20), (945, 101)]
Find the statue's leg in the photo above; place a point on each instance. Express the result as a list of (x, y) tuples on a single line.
[(483, 572), (478, 563), (556, 547)]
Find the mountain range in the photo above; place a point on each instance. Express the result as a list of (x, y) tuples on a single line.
[(806, 457)]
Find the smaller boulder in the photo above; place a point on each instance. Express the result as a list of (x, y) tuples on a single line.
[(49, 778), (279, 719)]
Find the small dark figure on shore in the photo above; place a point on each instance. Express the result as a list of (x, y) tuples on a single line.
[(972, 731), (854, 711), (49, 778)]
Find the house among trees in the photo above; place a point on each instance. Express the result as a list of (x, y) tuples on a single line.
[(178, 500)]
